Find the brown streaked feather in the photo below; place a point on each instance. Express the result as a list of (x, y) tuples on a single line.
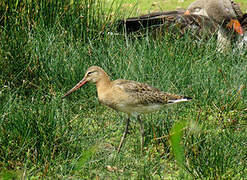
[(143, 93)]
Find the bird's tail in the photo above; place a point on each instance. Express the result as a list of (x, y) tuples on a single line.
[(183, 99)]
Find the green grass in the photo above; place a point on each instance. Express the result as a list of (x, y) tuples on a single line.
[(43, 136), (147, 6)]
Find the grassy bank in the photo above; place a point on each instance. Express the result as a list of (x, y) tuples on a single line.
[(147, 6), (42, 135)]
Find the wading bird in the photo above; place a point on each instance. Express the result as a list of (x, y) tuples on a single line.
[(131, 97)]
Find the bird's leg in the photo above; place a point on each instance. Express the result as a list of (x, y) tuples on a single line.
[(124, 134), (141, 131)]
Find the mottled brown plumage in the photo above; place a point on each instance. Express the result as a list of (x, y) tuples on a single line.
[(131, 97)]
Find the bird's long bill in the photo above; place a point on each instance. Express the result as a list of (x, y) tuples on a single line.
[(77, 86), (235, 24)]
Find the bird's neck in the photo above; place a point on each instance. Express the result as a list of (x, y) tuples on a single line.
[(103, 84)]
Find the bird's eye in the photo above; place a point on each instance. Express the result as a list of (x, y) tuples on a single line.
[(197, 9), (89, 73)]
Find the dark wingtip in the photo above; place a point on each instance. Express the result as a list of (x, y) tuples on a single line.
[(188, 98)]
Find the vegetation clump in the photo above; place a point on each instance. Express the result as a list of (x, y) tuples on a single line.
[(45, 48)]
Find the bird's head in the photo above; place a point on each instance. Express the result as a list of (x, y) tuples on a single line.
[(197, 8), (93, 74)]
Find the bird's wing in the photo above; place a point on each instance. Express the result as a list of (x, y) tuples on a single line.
[(169, 22), (144, 94)]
